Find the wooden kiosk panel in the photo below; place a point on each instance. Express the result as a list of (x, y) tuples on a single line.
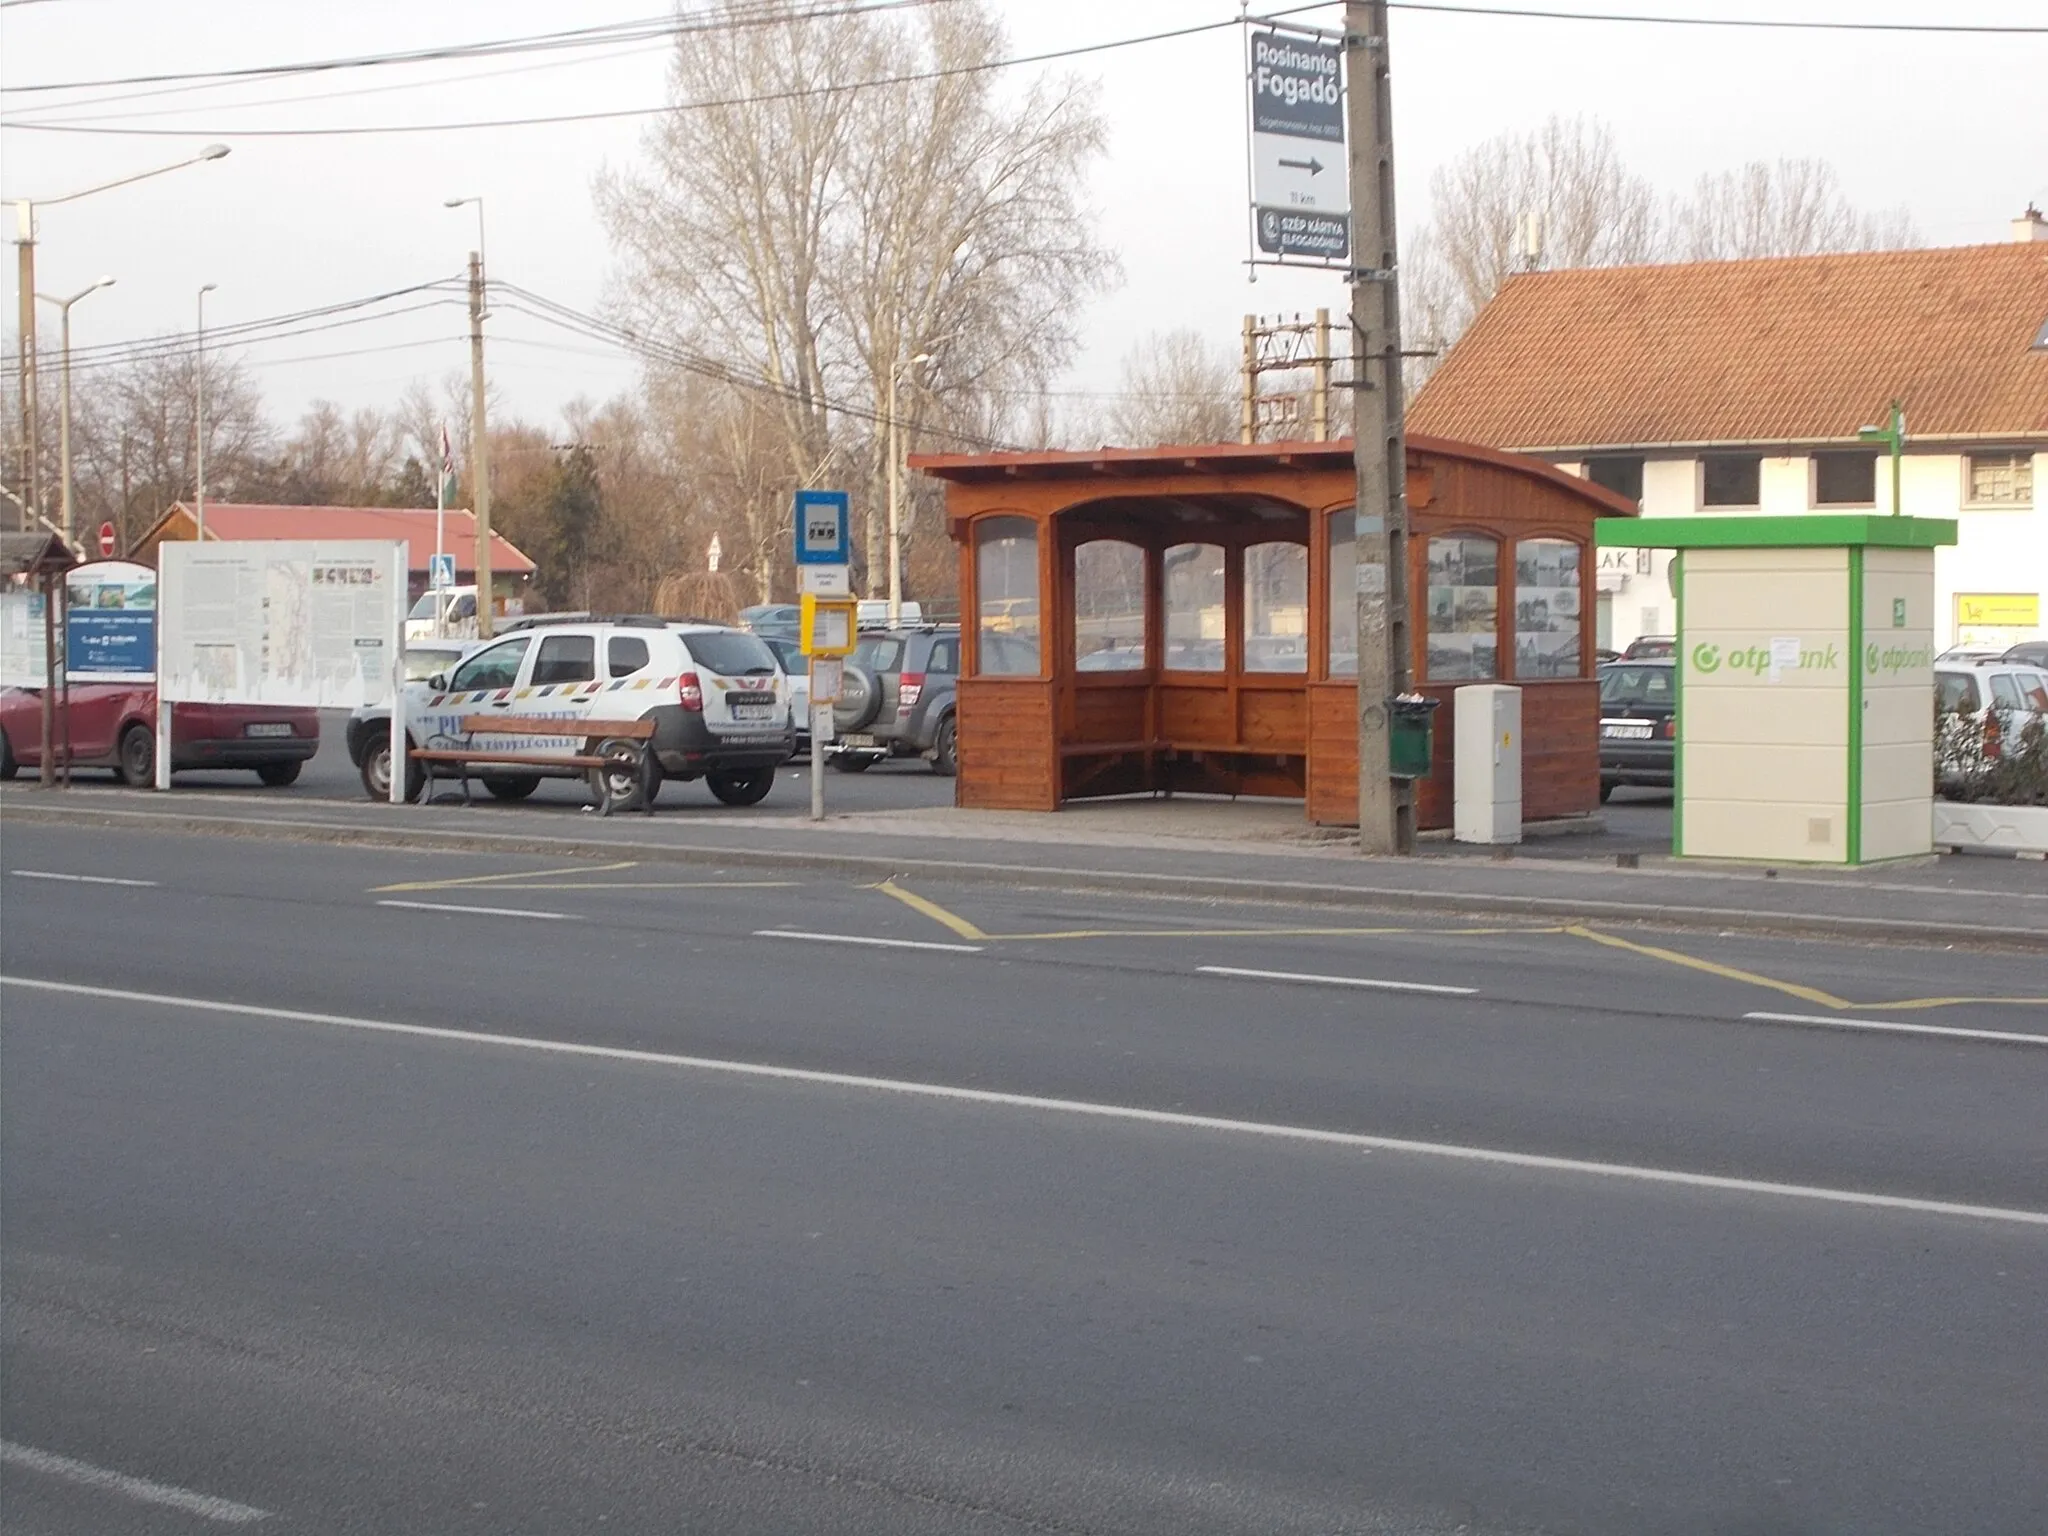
[(1210, 667)]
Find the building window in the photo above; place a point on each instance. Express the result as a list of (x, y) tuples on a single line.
[(1343, 595), (1731, 479), (1621, 473), (1194, 608), (1547, 608), (1845, 479), (1464, 609), (2001, 480), (1006, 592), (1109, 607), (1276, 608)]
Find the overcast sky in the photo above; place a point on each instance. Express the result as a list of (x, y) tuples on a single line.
[(1953, 128)]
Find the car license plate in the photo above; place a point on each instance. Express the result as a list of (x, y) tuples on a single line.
[(856, 741), (267, 728), (1627, 730)]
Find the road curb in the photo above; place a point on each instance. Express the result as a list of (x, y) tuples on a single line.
[(1057, 877)]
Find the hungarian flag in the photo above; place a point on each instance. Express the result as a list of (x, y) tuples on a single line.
[(447, 468)]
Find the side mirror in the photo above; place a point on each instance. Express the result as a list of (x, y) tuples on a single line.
[(438, 682)]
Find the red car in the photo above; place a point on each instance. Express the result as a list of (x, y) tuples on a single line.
[(113, 725)]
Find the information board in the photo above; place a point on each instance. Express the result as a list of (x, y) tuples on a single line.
[(315, 623), (22, 651), (110, 622)]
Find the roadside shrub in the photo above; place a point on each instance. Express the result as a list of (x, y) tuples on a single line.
[(1998, 757)]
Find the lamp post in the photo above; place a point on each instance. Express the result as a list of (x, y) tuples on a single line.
[(896, 480), (479, 441), (1893, 435), (64, 401), (25, 259), (199, 420)]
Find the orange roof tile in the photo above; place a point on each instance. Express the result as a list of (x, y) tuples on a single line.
[(1792, 350), (234, 520)]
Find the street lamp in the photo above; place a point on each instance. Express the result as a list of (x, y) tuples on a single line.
[(1893, 435), (199, 419), (64, 399), (464, 202), (25, 256), (895, 480)]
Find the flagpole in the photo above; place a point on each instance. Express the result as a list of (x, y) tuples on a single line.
[(440, 515)]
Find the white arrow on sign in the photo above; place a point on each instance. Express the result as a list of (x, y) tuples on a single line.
[(1292, 173)]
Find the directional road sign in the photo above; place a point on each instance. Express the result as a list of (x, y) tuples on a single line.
[(1301, 194)]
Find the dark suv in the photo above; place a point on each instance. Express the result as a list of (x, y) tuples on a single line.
[(1638, 724), (896, 699)]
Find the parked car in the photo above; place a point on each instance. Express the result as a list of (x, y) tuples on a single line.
[(2002, 698), (772, 621), (896, 699), (1968, 655), (1650, 647), (113, 725), (457, 618), (796, 666), (2033, 653), (719, 702), (1638, 724)]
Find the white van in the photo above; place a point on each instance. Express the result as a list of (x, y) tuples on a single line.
[(719, 701)]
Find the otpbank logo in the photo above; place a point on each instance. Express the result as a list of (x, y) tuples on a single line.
[(1772, 661)]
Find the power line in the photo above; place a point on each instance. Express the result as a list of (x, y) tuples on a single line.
[(754, 14), (613, 114), (1754, 23)]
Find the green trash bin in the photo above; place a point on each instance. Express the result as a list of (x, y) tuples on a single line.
[(1411, 736)]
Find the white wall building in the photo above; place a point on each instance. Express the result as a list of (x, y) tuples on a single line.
[(1738, 389)]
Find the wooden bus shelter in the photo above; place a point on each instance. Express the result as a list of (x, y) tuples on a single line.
[(1183, 618)]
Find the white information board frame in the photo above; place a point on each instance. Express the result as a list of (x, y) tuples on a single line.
[(307, 623)]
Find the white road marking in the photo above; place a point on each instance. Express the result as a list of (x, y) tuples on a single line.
[(141, 1489), (1449, 1151), (1891, 1027), (449, 906), (47, 874), (1336, 981), (855, 938)]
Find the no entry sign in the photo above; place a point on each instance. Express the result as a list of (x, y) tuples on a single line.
[(107, 539)]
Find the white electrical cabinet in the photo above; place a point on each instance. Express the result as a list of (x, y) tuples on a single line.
[(1487, 780)]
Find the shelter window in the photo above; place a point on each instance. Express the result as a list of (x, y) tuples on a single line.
[(1844, 479), (1194, 607), (1547, 608), (1731, 479), (1006, 593), (1464, 608), (1343, 595), (1276, 608), (1109, 606)]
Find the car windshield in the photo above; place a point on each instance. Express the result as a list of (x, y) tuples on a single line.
[(424, 608), (423, 664), (1624, 684), (731, 653)]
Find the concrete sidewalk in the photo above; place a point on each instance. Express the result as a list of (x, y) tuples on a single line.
[(1192, 849)]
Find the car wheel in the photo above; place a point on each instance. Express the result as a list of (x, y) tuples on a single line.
[(8, 766), (853, 762), (860, 699), (137, 757), (620, 785), (277, 775), (1606, 789), (946, 749), (511, 789), (376, 771), (741, 786)]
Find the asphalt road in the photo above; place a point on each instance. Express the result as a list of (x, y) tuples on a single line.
[(974, 1210)]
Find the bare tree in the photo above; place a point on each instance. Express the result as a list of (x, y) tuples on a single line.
[(1175, 388), (1792, 208), (1591, 211), (822, 235)]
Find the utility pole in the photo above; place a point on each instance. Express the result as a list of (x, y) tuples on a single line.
[(199, 420), (479, 445), (25, 337), (1248, 405), (1386, 806), (1322, 376)]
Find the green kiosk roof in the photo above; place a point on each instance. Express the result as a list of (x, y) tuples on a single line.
[(1826, 530)]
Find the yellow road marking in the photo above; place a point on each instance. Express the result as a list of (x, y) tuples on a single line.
[(930, 909), (522, 874), (1953, 1002), (1712, 968)]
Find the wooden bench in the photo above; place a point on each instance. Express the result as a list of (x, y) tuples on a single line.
[(608, 746)]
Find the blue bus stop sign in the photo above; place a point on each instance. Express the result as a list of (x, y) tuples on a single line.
[(821, 528)]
